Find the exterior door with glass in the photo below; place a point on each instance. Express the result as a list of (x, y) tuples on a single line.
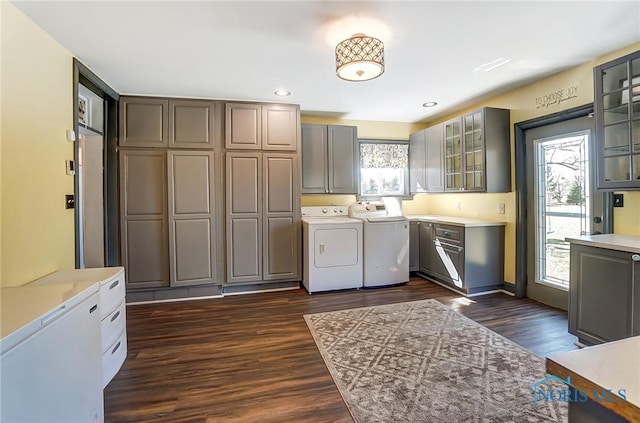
[(561, 202)]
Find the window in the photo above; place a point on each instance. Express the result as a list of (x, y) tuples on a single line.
[(384, 168)]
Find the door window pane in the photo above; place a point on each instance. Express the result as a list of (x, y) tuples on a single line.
[(562, 204)]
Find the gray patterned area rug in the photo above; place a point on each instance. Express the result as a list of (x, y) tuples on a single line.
[(421, 362)]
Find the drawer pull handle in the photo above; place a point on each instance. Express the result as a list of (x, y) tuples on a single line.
[(635, 257), (115, 316), (94, 308), (447, 234), (113, 351), (113, 285)]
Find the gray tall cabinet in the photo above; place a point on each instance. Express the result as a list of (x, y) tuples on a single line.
[(167, 192), (262, 193)]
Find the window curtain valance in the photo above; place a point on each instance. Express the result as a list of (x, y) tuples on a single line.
[(380, 155)]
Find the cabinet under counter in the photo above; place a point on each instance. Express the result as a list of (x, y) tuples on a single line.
[(604, 287), (462, 254)]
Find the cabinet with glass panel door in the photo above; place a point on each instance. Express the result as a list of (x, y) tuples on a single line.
[(617, 110), (477, 152)]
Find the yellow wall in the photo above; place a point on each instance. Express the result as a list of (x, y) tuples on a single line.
[(37, 232)]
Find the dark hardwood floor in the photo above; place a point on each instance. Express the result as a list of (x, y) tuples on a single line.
[(251, 358)]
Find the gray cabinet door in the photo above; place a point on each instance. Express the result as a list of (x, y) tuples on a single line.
[(280, 127), (617, 135), (448, 264), (191, 217), (244, 217), (143, 210), (414, 246), (343, 159), (417, 165), (191, 124), (602, 294), (314, 159), (434, 163), (243, 126), (427, 248), (144, 122), (281, 236)]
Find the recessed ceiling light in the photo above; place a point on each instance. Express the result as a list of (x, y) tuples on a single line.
[(430, 104), (282, 93)]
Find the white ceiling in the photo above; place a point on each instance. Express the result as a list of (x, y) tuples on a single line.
[(246, 50)]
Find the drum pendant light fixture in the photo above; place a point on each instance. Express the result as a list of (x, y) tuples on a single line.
[(359, 58)]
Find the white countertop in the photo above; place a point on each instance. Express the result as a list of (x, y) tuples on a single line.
[(614, 365), (629, 243), (452, 220), (24, 309), (100, 274)]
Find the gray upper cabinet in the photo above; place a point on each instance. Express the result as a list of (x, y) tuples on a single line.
[(417, 162), (329, 159), (314, 159), (191, 217), (280, 127), (425, 160), (434, 159), (263, 217), (144, 244), (243, 126), (617, 112), (262, 126), (191, 124), (477, 152), (144, 122), (604, 294)]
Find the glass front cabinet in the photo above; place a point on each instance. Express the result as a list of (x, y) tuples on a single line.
[(617, 110), (477, 152)]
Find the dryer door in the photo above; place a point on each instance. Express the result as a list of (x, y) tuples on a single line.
[(335, 247)]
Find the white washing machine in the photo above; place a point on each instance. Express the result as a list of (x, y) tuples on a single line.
[(386, 245), (332, 243)]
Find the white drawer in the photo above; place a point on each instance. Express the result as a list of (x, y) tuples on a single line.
[(113, 358), (112, 326), (111, 294)]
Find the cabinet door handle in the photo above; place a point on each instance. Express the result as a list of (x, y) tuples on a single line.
[(115, 316), (113, 285), (322, 248), (635, 257), (447, 234), (52, 315)]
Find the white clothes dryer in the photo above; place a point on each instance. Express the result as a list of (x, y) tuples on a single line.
[(332, 244)]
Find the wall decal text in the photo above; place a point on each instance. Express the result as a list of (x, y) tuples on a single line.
[(555, 98)]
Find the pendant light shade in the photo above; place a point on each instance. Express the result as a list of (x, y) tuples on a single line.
[(359, 58)]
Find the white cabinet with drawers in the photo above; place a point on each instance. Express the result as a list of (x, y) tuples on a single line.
[(113, 324)]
